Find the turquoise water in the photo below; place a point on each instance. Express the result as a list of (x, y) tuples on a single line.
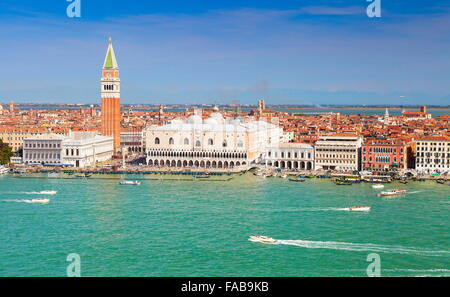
[(201, 228)]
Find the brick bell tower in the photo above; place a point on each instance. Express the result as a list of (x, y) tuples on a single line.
[(110, 92)]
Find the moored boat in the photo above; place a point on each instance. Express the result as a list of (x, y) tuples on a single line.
[(130, 183), (378, 186), (4, 170), (297, 180)]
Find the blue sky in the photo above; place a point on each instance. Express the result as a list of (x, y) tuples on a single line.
[(293, 52)]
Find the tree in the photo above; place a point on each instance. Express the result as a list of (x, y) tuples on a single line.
[(5, 153)]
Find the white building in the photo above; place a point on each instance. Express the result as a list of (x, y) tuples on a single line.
[(290, 156), (79, 149), (433, 154), (211, 143), (340, 153)]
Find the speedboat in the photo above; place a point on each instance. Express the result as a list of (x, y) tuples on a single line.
[(48, 192), (130, 183), (379, 186), (393, 193), (41, 201), (262, 239), (297, 180), (360, 208)]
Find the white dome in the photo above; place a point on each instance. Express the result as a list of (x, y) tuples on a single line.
[(177, 121), (194, 119), (218, 117), (211, 121)]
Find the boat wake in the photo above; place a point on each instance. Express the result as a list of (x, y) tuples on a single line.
[(415, 192), (321, 209), (358, 247)]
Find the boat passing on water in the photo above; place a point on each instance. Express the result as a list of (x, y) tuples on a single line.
[(262, 239), (343, 183), (41, 201), (393, 193), (378, 186), (360, 208), (130, 183)]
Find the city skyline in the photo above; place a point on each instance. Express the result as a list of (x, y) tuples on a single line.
[(298, 52)]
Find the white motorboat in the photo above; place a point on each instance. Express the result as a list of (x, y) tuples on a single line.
[(262, 239), (379, 186), (3, 170), (393, 193), (48, 192), (361, 208), (130, 183), (41, 201)]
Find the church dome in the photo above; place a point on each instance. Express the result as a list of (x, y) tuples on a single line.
[(176, 121), (218, 117), (194, 119), (211, 121)]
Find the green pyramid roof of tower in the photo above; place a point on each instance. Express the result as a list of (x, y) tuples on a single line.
[(110, 59)]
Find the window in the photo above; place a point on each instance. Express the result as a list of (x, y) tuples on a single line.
[(157, 141), (224, 144), (198, 143), (210, 142), (171, 141), (186, 141), (240, 143)]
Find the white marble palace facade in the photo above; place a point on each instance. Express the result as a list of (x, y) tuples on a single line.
[(298, 156), (215, 142)]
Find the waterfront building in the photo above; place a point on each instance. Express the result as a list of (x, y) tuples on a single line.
[(383, 154), (110, 94), (15, 137), (132, 141), (417, 115), (215, 142), (290, 156), (78, 149), (433, 154), (338, 152)]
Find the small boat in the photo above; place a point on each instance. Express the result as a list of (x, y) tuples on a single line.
[(130, 183), (262, 239), (284, 176), (297, 180), (403, 181), (83, 175), (4, 170), (343, 183), (379, 186), (48, 192), (202, 176), (441, 181), (393, 193), (361, 208), (41, 201)]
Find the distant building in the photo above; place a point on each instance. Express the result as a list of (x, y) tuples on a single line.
[(110, 93), (340, 153), (382, 154), (290, 156), (215, 142), (433, 154), (79, 149), (417, 115), (14, 137)]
